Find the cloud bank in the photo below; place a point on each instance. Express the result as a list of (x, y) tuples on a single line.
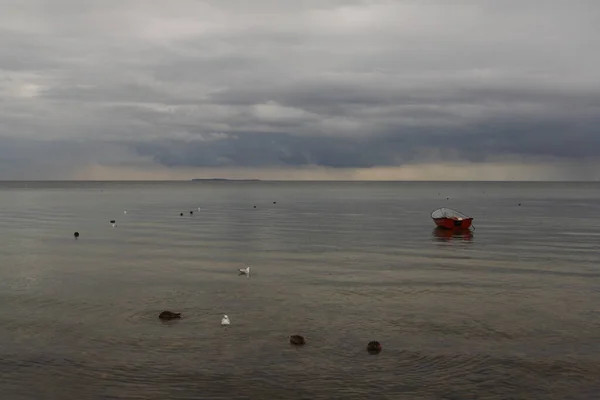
[(306, 90)]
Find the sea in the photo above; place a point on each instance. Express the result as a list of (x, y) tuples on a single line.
[(509, 310)]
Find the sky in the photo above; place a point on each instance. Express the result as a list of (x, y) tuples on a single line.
[(342, 90)]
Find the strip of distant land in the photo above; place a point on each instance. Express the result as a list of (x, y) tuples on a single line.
[(223, 179)]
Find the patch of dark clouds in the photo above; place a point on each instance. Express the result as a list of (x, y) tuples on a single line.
[(256, 149), (490, 140), (29, 158), (513, 122)]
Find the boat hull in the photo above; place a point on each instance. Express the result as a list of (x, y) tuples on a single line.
[(452, 223)]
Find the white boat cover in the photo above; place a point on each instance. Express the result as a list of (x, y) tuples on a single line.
[(448, 213)]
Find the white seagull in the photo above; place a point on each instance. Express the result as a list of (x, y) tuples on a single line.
[(225, 320), (244, 271)]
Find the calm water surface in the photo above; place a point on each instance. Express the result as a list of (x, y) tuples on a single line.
[(510, 311)]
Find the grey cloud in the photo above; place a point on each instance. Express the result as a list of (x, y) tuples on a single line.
[(477, 144), (26, 159), (272, 149), (344, 84)]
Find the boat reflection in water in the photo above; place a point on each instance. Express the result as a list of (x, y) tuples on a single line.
[(446, 235)]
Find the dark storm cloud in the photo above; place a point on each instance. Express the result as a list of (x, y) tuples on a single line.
[(344, 84), (26, 159), (276, 149), (488, 141)]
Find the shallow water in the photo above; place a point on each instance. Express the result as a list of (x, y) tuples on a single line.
[(509, 311)]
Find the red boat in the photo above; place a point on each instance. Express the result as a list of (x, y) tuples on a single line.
[(451, 219)]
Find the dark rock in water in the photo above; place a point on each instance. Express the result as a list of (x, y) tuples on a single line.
[(112, 221), (374, 347), (297, 340), (169, 315), (76, 234)]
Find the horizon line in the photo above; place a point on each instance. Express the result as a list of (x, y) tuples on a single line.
[(256, 180)]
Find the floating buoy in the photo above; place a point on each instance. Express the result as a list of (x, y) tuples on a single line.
[(112, 221), (191, 212), (225, 320), (76, 234), (181, 214), (254, 206), (274, 202)]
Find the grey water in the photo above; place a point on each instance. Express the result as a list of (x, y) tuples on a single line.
[(508, 311)]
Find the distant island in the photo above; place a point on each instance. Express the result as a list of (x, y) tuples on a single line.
[(223, 179)]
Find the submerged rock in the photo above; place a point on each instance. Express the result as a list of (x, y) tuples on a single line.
[(169, 315), (297, 340), (374, 347)]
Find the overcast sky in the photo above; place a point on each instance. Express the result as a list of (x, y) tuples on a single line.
[(427, 89)]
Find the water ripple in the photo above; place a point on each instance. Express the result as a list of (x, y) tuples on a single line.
[(506, 311)]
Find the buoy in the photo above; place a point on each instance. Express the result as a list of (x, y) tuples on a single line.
[(254, 206), (191, 212), (76, 234), (274, 202), (181, 214), (225, 320), (112, 221)]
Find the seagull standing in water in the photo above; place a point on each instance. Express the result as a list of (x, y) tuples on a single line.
[(244, 271), (225, 320)]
